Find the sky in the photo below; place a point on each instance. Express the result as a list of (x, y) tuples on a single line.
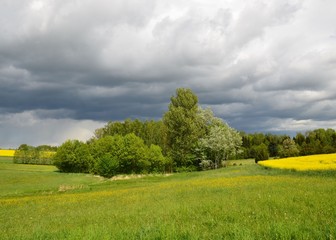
[(67, 67)]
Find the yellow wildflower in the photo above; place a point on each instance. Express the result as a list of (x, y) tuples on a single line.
[(304, 163)]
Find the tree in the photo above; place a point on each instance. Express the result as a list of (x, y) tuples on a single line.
[(221, 143), (34, 155), (260, 152), (125, 154), (288, 148), (73, 156), (132, 157), (158, 162), (23, 154), (272, 142), (206, 119), (105, 152), (183, 129), (107, 165), (152, 132)]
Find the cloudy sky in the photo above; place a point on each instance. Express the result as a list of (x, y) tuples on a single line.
[(69, 66)]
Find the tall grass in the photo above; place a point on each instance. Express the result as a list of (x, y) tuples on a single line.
[(239, 202)]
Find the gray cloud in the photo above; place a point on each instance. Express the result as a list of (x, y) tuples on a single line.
[(260, 65), (34, 128)]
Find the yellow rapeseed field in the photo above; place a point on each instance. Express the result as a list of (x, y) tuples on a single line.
[(6, 153), (304, 163)]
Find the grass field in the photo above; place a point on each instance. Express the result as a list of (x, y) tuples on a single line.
[(245, 201)]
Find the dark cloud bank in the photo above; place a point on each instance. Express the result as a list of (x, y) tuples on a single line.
[(67, 67)]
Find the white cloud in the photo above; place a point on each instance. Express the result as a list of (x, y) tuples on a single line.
[(36, 5), (293, 125)]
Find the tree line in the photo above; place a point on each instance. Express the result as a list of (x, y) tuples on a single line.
[(262, 146), (42, 155), (187, 138), (111, 155)]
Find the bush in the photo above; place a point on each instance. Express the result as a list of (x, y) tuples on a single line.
[(156, 159), (26, 154), (109, 145), (133, 156), (260, 152), (206, 165), (126, 154), (111, 155), (107, 165), (288, 149), (73, 156), (186, 169)]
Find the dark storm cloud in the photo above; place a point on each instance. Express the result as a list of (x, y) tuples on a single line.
[(261, 65)]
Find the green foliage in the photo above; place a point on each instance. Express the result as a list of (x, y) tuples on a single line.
[(177, 136), (288, 149), (132, 157), (220, 143), (206, 165), (42, 155), (158, 163), (183, 127), (260, 152), (107, 165), (317, 141), (73, 156), (253, 140), (187, 135), (105, 152), (111, 155), (151, 132), (126, 154)]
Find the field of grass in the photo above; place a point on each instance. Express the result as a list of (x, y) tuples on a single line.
[(319, 162), (244, 201)]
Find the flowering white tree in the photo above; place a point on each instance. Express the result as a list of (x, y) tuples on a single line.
[(221, 142)]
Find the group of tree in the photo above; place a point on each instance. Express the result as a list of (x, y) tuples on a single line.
[(111, 155), (187, 138), (195, 135), (317, 141), (262, 146), (42, 155), (150, 131)]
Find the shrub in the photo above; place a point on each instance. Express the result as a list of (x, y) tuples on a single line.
[(112, 145), (186, 169), (288, 149), (26, 154), (73, 156), (107, 165), (133, 157), (157, 160), (206, 165), (260, 152)]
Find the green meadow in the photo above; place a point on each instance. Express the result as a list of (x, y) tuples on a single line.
[(242, 201)]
